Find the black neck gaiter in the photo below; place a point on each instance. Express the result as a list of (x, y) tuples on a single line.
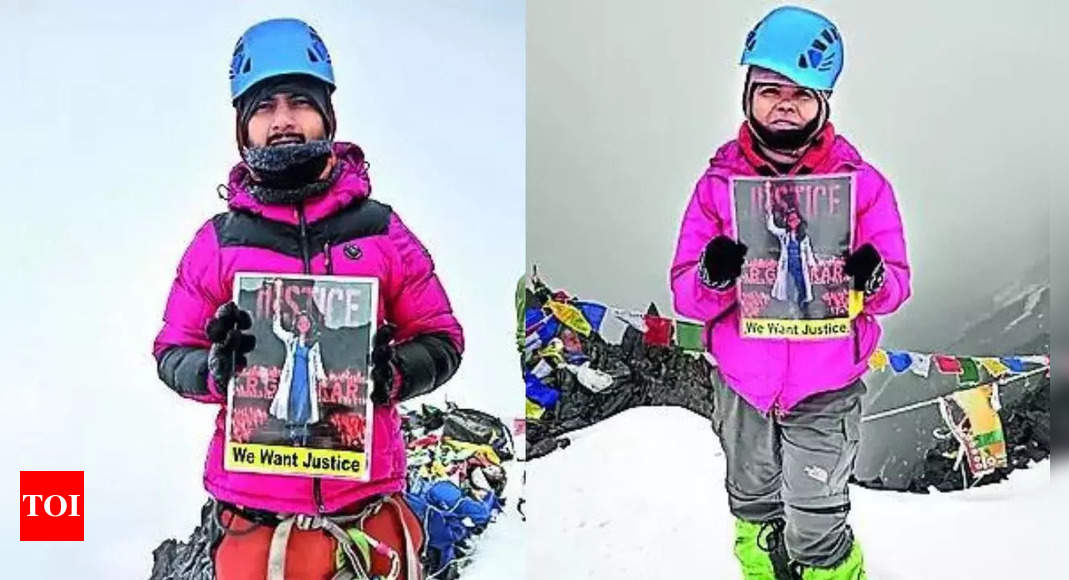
[(786, 140), (289, 174)]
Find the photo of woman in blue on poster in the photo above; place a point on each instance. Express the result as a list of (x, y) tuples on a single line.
[(296, 401), (795, 257)]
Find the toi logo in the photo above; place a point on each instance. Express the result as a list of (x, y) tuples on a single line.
[(51, 506)]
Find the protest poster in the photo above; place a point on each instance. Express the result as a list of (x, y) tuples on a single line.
[(798, 230)]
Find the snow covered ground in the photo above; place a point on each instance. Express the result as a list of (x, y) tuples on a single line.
[(641, 496)]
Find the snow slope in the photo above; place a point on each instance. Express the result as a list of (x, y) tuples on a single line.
[(641, 496), (1016, 320)]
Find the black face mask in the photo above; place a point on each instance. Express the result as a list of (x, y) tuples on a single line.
[(786, 139), (288, 174)]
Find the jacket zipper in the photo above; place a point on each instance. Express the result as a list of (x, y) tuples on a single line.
[(786, 373), (302, 227), (306, 260)]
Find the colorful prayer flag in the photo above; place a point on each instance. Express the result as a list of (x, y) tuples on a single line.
[(612, 329), (1015, 364), (922, 364), (531, 343), (1038, 359), (970, 373), (571, 316), (659, 331), (548, 329), (994, 366), (533, 318), (878, 361), (534, 410), (593, 312), (900, 361), (947, 365), (633, 319), (540, 393), (689, 335), (542, 369)]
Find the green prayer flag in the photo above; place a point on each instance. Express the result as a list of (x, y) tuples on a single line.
[(689, 335), (970, 372)]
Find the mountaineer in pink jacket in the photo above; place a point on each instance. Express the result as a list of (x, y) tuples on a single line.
[(299, 203), (788, 413)]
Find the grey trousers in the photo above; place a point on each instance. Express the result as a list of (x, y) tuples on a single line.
[(793, 466)]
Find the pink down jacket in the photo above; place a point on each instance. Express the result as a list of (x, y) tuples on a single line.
[(342, 232), (777, 374)]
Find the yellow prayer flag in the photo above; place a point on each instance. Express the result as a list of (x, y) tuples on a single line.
[(571, 316), (994, 366), (879, 360), (534, 410)]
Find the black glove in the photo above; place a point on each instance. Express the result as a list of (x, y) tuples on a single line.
[(721, 262), (384, 369), (865, 266), (229, 345)]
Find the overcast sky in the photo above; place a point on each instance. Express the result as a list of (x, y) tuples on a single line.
[(957, 103), (118, 128)]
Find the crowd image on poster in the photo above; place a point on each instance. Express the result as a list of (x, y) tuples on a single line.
[(799, 230), (302, 404)]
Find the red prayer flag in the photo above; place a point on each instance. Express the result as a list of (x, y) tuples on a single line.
[(948, 364), (658, 331)]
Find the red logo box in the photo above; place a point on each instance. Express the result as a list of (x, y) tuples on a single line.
[(51, 506)]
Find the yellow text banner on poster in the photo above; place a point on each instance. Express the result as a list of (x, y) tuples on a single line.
[(295, 460), (796, 329)]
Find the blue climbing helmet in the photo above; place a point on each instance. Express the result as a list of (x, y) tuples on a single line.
[(278, 47), (798, 44)]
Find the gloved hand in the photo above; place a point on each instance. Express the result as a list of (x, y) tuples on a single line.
[(385, 373), (865, 266), (229, 345), (721, 262)]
